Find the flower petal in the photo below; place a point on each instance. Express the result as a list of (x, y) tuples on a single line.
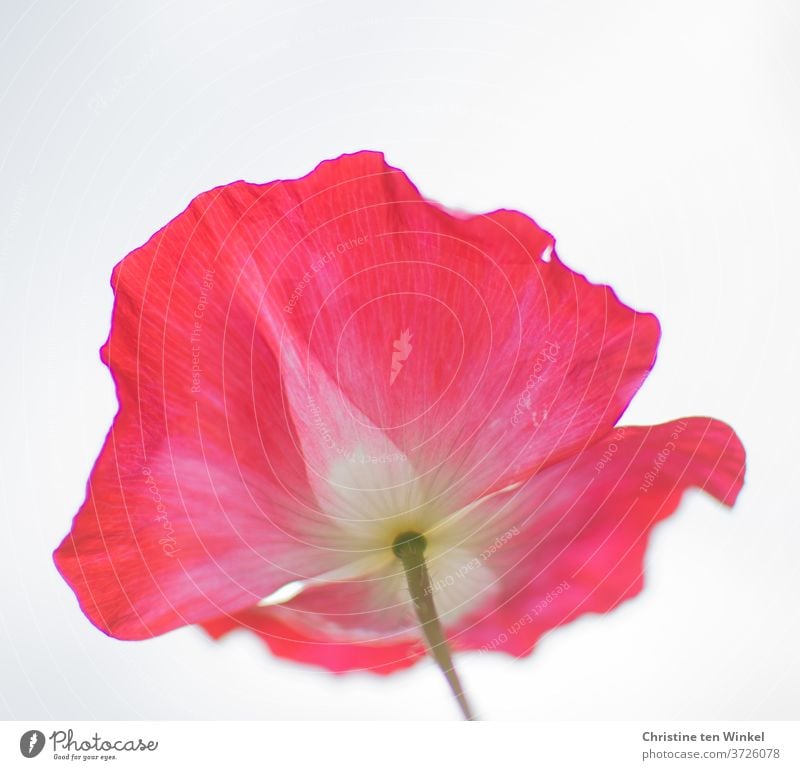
[(583, 526), (463, 339), (273, 340), (571, 540), (286, 641), (198, 503)]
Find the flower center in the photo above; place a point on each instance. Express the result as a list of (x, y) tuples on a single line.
[(380, 516), (408, 543)]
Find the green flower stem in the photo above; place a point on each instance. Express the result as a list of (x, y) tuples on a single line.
[(410, 549)]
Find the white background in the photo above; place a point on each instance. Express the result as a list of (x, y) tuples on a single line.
[(657, 141)]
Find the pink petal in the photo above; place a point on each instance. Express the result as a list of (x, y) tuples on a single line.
[(508, 360), (197, 504), (583, 526), (285, 641)]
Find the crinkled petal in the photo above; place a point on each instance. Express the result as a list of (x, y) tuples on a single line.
[(463, 341), (299, 363), (579, 530), (198, 503), (571, 540), (286, 641)]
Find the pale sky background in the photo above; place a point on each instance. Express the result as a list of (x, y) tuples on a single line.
[(657, 141)]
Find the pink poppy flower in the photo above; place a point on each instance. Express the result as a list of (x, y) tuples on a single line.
[(335, 394)]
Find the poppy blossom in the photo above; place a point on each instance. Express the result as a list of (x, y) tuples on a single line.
[(359, 425)]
